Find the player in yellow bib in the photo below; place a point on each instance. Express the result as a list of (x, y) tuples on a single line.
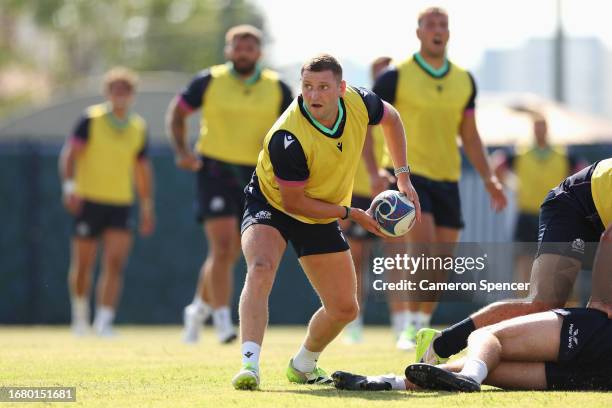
[(239, 101), (551, 164), (301, 187), (436, 100), (99, 165)]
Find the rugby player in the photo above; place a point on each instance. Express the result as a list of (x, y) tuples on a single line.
[(100, 163), (301, 187), (436, 101), (239, 102)]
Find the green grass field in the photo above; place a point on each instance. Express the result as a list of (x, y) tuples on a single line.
[(149, 366)]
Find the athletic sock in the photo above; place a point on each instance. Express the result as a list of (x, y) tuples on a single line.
[(397, 383), (201, 305), (410, 319), (104, 317), (80, 309), (454, 339), (423, 320), (250, 354), (475, 369), (223, 321), (305, 360), (397, 322)]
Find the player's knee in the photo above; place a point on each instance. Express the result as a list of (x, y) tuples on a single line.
[(224, 251), (260, 274), (344, 312)]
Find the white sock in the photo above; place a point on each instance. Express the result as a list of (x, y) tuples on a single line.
[(104, 316), (476, 369), (222, 320), (80, 309), (250, 354), (423, 320), (201, 305), (410, 319), (305, 360), (397, 383), (397, 322)]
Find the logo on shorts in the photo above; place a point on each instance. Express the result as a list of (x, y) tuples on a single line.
[(573, 337), (217, 204), (578, 246), (82, 229), (263, 215)]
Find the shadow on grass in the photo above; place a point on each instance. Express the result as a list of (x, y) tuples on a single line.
[(373, 395)]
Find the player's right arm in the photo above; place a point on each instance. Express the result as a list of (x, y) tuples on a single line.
[(179, 109), (73, 146), (291, 172)]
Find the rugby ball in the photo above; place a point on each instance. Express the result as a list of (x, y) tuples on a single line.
[(394, 213)]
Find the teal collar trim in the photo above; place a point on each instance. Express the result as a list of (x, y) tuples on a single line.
[(436, 73), (250, 80), (115, 121), (322, 127), (542, 153)]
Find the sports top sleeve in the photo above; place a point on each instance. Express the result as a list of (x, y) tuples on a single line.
[(288, 158), (191, 96), (386, 85), (373, 104), (80, 134), (471, 103), (287, 96)]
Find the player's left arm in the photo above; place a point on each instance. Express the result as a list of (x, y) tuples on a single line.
[(476, 153), (143, 179)]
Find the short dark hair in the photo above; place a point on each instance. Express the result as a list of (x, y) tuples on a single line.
[(243, 31), (323, 62)]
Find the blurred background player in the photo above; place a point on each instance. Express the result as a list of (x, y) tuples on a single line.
[(436, 100), (239, 101), (537, 168), (99, 165), (302, 186), (361, 241)]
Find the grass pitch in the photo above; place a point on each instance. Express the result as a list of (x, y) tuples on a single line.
[(149, 366)]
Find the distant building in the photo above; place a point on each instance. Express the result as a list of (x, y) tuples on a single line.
[(530, 69)]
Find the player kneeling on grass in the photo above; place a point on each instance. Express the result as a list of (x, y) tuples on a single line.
[(301, 186), (564, 349)]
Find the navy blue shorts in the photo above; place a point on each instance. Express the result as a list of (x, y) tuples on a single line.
[(94, 218), (219, 189), (569, 222), (438, 198), (356, 231), (585, 352), (306, 239)]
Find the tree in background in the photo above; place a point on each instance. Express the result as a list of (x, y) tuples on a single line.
[(67, 40)]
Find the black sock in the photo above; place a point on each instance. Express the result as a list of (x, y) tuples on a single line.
[(454, 339)]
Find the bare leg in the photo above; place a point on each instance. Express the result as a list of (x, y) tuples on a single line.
[(333, 277), (83, 258), (216, 275), (263, 248), (117, 245)]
